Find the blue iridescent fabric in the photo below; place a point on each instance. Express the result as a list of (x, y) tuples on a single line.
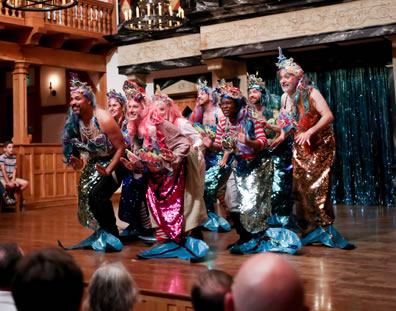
[(192, 249), (216, 223), (328, 236), (99, 241), (273, 240)]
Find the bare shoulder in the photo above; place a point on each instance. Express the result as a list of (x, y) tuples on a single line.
[(106, 121)]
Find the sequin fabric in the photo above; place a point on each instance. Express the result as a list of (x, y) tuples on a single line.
[(311, 178), (281, 196), (215, 175), (281, 199), (134, 188), (165, 198), (254, 183), (88, 179), (98, 148)]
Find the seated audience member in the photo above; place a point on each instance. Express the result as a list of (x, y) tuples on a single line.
[(10, 253), (48, 279), (208, 293), (8, 165), (266, 282), (112, 288)]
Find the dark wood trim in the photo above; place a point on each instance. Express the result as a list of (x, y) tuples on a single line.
[(162, 65)]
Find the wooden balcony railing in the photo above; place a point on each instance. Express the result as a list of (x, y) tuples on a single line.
[(87, 15), (92, 16), (6, 12)]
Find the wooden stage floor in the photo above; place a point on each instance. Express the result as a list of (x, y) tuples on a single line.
[(360, 279)]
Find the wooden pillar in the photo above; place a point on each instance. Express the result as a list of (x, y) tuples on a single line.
[(223, 68), (20, 103), (101, 98)]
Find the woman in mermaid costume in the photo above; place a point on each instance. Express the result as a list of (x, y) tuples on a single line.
[(160, 147), (132, 206), (205, 118), (306, 114), (194, 206), (92, 131), (266, 107), (243, 135)]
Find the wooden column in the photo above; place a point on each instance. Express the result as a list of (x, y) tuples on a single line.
[(20, 103)]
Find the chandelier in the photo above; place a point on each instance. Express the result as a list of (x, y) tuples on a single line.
[(153, 15), (39, 5)]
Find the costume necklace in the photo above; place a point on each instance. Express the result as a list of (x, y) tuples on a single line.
[(88, 131)]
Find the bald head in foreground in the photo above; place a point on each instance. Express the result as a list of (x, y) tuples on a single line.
[(266, 282)]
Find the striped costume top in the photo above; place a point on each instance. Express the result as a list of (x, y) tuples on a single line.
[(9, 164), (253, 128)]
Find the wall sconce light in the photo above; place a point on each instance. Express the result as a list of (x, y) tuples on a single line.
[(53, 92)]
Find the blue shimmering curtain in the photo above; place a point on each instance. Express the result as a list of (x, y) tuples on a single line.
[(360, 100)]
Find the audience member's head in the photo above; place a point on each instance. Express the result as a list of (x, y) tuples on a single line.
[(112, 288), (48, 279), (208, 293), (10, 253), (266, 282)]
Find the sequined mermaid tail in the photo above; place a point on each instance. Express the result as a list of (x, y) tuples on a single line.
[(312, 180), (190, 249), (165, 198), (281, 196), (133, 193), (328, 236), (273, 240), (215, 177), (99, 241), (254, 182)]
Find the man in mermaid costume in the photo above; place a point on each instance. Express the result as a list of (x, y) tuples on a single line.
[(93, 132), (266, 107), (205, 118), (243, 135), (306, 114)]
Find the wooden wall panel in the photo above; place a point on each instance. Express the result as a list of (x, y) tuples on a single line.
[(52, 182)]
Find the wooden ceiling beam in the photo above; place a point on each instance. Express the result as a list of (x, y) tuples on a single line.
[(52, 57)]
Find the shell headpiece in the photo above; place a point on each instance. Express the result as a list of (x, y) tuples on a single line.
[(289, 65), (255, 82), (83, 87), (133, 90), (117, 96)]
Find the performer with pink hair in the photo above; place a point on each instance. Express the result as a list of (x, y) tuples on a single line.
[(160, 147), (194, 205), (306, 114)]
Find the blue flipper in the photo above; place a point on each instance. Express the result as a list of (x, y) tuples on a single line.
[(216, 223), (328, 236), (99, 241), (274, 240), (191, 249)]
